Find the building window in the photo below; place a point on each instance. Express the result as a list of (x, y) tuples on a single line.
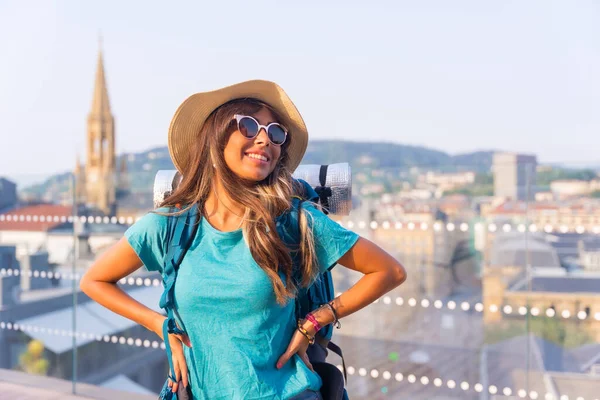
[(6, 261)]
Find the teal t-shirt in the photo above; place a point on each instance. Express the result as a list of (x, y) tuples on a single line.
[(228, 307)]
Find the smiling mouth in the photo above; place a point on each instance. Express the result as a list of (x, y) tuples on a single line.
[(257, 157)]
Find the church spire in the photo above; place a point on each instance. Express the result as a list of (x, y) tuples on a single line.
[(100, 103), (100, 166)]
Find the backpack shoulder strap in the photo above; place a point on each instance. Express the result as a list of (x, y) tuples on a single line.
[(181, 230), (308, 192), (323, 191), (328, 344)]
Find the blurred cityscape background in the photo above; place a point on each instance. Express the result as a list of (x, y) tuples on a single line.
[(502, 249)]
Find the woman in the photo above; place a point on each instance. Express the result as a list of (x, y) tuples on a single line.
[(236, 149)]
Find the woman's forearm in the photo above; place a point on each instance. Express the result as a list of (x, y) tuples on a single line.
[(115, 299), (368, 289)]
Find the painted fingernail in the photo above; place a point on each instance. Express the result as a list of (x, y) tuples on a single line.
[(278, 365)]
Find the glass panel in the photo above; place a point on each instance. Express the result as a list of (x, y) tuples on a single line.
[(37, 278), (563, 283), (501, 296)]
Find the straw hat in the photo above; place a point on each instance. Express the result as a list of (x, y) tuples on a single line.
[(193, 112)]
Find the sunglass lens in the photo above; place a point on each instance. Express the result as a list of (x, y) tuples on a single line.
[(248, 127), (276, 134)]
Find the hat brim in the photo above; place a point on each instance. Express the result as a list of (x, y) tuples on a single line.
[(193, 112)]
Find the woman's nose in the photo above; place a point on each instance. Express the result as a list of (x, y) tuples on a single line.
[(262, 137)]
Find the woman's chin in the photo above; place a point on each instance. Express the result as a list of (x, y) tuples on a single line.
[(253, 177)]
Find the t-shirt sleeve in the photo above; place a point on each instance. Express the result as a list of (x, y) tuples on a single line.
[(332, 240), (147, 238)]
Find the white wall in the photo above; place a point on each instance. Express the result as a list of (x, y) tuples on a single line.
[(25, 241)]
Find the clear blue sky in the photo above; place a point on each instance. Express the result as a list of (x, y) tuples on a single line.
[(456, 75)]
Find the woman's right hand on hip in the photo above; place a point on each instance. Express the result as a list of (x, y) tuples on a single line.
[(178, 358)]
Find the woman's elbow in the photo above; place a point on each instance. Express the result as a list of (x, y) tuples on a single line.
[(398, 274), (83, 284)]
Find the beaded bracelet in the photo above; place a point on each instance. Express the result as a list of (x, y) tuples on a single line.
[(313, 320), (336, 321), (311, 339)]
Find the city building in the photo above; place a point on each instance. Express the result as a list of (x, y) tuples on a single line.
[(101, 359), (8, 194), (447, 181), (97, 181), (571, 215), (545, 368), (563, 189), (9, 284), (32, 266), (544, 196), (46, 228), (405, 229), (514, 176), (28, 228), (571, 294), (457, 206), (589, 253)]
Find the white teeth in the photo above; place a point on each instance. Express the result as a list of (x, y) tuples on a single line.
[(257, 156)]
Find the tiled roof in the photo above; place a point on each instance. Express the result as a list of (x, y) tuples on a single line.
[(510, 208), (565, 284), (521, 207), (519, 249), (37, 218)]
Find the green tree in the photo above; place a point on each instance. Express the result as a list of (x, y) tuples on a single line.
[(544, 178), (474, 190), (484, 178)]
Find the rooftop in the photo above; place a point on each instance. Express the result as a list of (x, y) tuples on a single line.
[(91, 316), (563, 284), (40, 217), (19, 385)]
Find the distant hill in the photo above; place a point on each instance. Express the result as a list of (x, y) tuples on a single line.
[(373, 155), (361, 155), (392, 155), (476, 160)]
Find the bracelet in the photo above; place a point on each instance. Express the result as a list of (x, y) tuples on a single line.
[(311, 339), (313, 320), (336, 321)]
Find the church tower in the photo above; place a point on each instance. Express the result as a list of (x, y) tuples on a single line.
[(99, 183)]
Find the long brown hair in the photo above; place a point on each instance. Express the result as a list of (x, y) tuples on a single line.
[(264, 200)]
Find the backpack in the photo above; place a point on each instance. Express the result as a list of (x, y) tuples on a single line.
[(181, 231), (313, 297)]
